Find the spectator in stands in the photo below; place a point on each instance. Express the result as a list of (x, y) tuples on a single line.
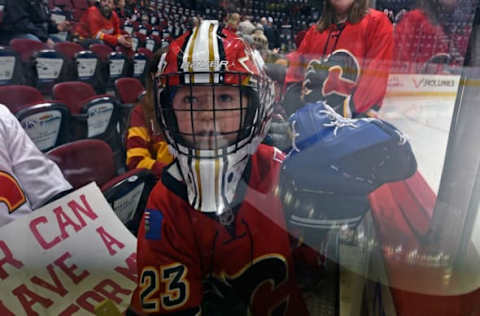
[(434, 37), (102, 23), (345, 58), (29, 19), (246, 27), (145, 145), (120, 8), (232, 22), (271, 33), (260, 48), (29, 179)]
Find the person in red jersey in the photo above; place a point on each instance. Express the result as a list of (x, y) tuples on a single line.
[(345, 58), (218, 212), (213, 207), (434, 37), (102, 23)]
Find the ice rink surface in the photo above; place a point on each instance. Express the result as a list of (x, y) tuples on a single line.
[(426, 122)]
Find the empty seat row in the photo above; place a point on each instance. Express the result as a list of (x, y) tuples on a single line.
[(76, 113), (32, 63)]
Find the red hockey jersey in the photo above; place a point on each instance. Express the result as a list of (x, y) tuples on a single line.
[(179, 247), (356, 59), (418, 41), (94, 25)]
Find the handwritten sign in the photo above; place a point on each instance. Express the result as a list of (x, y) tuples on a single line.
[(66, 258)]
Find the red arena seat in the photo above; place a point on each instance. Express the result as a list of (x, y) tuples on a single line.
[(84, 161)]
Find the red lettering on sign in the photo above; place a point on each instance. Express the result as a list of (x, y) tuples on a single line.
[(86, 210), (28, 298), (70, 310), (63, 221), (417, 84), (34, 228), (7, 258), (70, 270), (130, 271), (109, 240), (110, 290), (56, 287), (83, 300), (4, 311), (12, 194)]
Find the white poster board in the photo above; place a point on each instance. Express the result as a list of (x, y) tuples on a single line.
[(66, 258)]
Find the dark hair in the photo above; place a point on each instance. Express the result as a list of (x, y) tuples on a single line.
[(147, 101), (356, 13)]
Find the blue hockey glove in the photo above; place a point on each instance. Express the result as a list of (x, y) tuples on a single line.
[(334, 154), (335, 163)]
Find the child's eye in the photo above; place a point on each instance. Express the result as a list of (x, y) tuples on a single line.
[(225, 98), (189, 99)]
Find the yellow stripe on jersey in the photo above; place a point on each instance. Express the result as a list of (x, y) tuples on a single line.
[(146, 162), (139, 132), (163, 155)]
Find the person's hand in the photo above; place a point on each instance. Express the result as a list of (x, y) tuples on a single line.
[(64, 26), (50, 43), (125, 41)]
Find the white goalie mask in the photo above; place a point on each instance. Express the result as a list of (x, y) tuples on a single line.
[(214, 105)]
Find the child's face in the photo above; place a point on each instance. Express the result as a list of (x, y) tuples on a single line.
[(212, 129), (341, 6)]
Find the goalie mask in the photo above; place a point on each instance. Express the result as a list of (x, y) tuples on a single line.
[(214, 104)]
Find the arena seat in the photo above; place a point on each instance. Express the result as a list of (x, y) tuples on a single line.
[(151, 44), (47, 124), (80, 4), (68, 49), (18, 97), (11, 71), (26, 48), (147, 52), (84, 161), (113, 64), (82, 64), (93, 115), (42, 67), (141, 64), (87, 160), (102, 51), (128, 90), (128, 196), (96, 113)]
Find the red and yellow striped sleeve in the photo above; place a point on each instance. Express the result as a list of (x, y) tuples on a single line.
[(143, 150)]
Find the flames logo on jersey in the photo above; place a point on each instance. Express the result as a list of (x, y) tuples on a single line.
[(331, 79)]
